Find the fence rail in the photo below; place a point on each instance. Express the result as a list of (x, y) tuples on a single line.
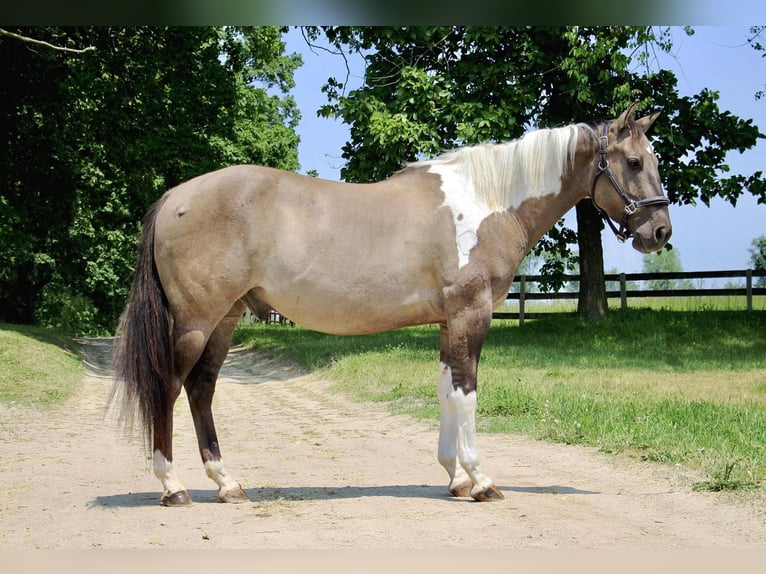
[(748, 291), (523, 295)]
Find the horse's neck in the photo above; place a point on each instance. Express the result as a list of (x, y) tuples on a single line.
[(538, 214)]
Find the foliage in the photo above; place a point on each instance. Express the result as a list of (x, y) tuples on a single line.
[(665, 261), (429, 89), (91, 140), (755, 40), (758, 257)]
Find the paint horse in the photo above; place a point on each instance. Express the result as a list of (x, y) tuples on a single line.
[(436, 243)]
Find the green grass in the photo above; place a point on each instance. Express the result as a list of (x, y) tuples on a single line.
[(673, 387), (37, 367), (722, 303)]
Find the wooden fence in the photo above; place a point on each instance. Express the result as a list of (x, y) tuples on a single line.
[(523, 294), (748, 291)]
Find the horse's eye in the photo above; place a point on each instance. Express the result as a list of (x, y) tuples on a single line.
[(634, 163)]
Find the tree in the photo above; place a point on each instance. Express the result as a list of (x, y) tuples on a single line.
[(665, 261), (755, 40), (428, 89), (90, 140), (758, 257)]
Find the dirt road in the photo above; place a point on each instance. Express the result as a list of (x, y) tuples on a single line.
[(324, 472)]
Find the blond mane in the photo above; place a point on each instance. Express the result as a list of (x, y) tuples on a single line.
[(504, 175)]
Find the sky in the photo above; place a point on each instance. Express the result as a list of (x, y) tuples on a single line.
[(715, 57)]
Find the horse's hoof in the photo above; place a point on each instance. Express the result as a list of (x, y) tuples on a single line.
[(233, 496), (488, 494), (180, 498), (461, 489)]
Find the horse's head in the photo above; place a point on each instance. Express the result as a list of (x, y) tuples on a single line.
[(627, 187)]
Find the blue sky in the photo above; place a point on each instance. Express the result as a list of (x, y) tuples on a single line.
[(715, 57)]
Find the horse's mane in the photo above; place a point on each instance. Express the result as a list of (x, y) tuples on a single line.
[(505, 174)]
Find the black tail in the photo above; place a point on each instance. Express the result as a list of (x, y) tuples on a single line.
[(143, 349)]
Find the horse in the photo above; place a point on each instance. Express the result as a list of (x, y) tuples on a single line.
[(438, 243)]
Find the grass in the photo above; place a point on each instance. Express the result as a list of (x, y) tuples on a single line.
[(673, 387), (37, 367), (722, 303)]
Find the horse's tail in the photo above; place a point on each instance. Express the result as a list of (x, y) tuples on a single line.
[(143, 349)]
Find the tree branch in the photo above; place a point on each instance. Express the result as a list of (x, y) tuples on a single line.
[(339, 51), (46, 44)]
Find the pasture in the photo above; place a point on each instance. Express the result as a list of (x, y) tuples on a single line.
[(676, 387)]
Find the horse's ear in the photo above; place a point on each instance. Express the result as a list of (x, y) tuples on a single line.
[(626, 117), (647, 121)]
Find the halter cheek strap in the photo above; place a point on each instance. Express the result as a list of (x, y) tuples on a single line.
[(631, 206)]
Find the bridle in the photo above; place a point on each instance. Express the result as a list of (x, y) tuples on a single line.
[(631, 206)]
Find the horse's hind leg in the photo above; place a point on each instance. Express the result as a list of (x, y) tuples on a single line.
[(174, 493), (187, 347), (195, 361), (200, 386)]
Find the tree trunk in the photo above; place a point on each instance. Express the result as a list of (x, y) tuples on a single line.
[(592, 300)]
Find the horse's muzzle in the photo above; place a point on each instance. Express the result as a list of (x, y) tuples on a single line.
[(653, 234)]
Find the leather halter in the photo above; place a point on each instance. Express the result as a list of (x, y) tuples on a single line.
[(631, 206)]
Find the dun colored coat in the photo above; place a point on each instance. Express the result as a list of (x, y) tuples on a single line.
[(438, 242)]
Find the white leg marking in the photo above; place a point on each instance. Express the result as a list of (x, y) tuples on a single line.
[(447, 453), (467, 452), (457, 435), (448, 431), (216, 471), (163, 469)]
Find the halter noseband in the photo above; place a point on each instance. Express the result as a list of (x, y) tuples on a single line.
[(631, 206)]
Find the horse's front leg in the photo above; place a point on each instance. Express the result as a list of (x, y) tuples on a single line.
[(461, 342), (458, 452), (460, 483)]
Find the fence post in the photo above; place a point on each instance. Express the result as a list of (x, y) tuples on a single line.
[(623, 292), (749, 289), (522, 291)]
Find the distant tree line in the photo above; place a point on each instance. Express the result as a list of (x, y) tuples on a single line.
[(758, 257)]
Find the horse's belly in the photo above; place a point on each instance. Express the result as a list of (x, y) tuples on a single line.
[(349, 312)]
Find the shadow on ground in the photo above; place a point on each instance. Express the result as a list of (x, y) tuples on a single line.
[(266, 494)]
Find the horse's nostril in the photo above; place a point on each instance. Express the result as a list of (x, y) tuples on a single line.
[(661, 234)]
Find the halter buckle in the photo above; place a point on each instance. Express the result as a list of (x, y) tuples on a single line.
[(630, 208)]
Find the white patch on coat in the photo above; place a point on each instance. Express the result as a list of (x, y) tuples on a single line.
[(467, 211)]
